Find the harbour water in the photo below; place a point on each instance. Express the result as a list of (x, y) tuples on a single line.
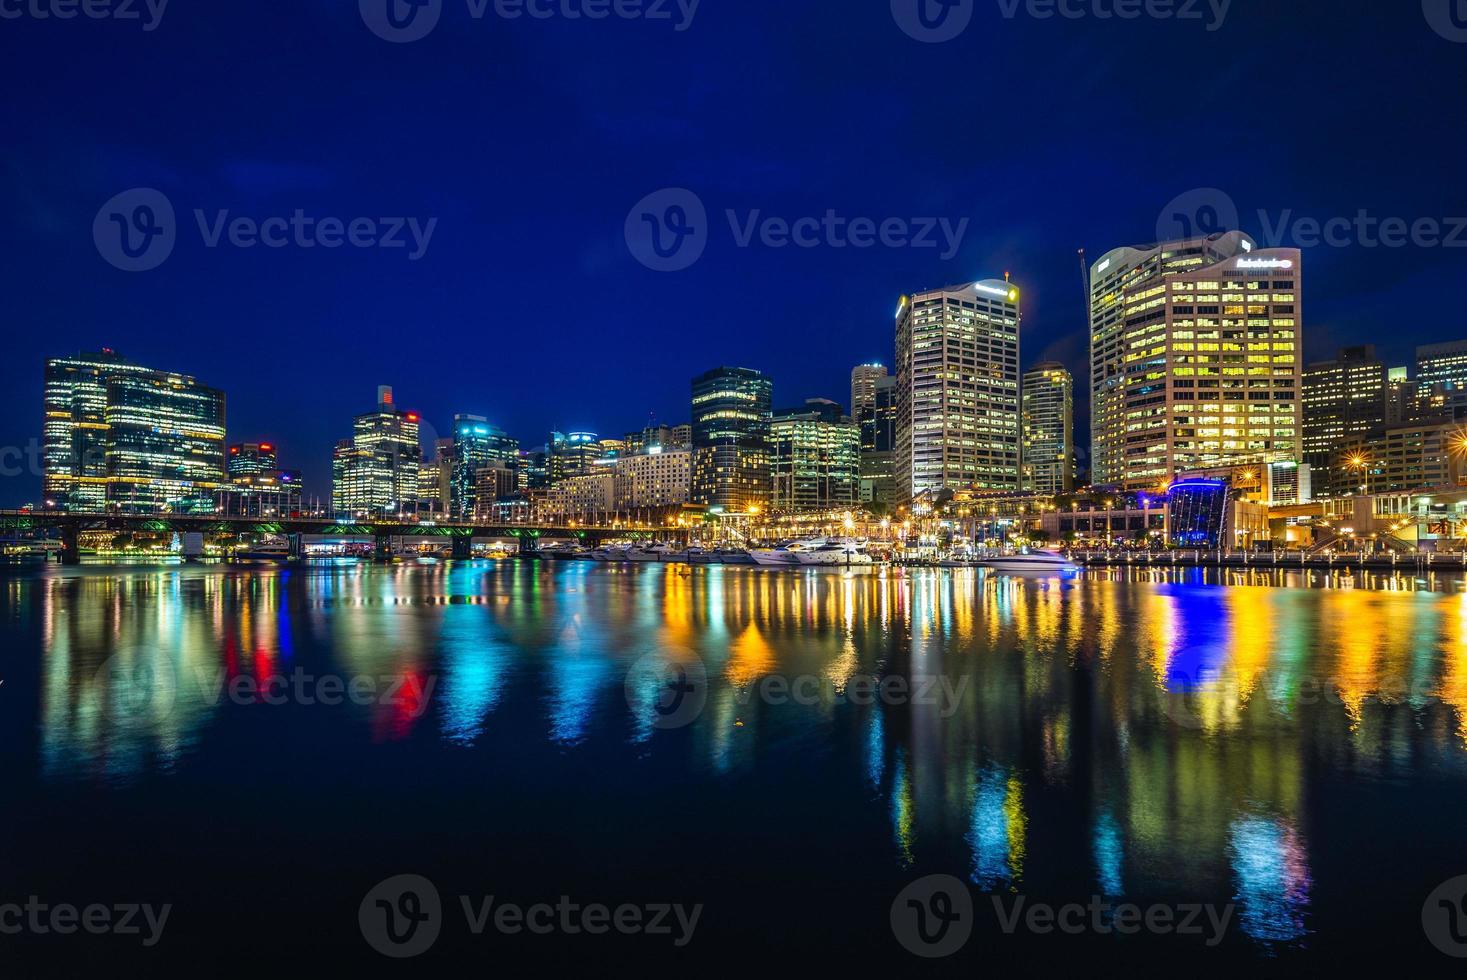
[(259, 747)]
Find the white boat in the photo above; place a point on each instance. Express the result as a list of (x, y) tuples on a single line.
[(270, 549), (655, 552), (611, 552), (841, 553), (1033, 561), (787, 553)]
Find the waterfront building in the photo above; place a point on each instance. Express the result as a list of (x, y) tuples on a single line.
[(1048, 398), (376, 471), (656, 478), (476, 445), (1195, 354), (121, 436), (957, 393), (270, 494), (1400, 395), (250, 459), (1344, 399), (435, 476), (572, 454), (815, 458), (493, 482), (730, 438), (1411, 456), (873, 406)]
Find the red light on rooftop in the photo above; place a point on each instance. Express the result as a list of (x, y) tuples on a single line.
[(265, 447), (412, 416)]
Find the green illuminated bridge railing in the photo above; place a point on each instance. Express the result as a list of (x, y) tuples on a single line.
[(15, 520)]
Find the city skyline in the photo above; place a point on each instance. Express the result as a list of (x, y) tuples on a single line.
[(513, 228)]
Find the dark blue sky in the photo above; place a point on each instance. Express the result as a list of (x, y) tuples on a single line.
[(531, 140)]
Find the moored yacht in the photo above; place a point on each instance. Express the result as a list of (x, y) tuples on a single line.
[(787, 553), (1033, 561), (846, 552)]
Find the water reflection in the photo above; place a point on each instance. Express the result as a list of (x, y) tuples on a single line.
[(1129, 732)]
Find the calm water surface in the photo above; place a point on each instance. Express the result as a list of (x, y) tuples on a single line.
[(1292, 746)]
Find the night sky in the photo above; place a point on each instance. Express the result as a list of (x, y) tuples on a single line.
[(530, 141)]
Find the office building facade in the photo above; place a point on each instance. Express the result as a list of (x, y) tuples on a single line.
[(119, 436), (957, 389), (1048, 398), (1344, 400), (730, 435), (1195, 357), (815, 459), (376, 471)]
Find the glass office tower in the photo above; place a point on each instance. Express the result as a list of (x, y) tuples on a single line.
[(120, 436), (731, 464)]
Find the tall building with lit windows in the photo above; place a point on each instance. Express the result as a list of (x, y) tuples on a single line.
[(477, 445), (1195, 358), (119, 436), (815, 458), (251, 459), (1345, 399), (1048, 395), (957, 390), (731, 464), (377, 470)]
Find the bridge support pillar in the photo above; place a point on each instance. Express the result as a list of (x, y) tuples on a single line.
[(297, 545), (70, 546), (382, 548), (463, 548), (529, 545)]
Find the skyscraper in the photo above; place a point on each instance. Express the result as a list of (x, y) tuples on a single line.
[(121, 436), (873, 407), (731, 408), (1344, 400), (957, 392), (377, 471), (864, 378), (815, 458), (1049, 428), (1194, 358), (250, 459), (477, 445), (1441, 381)]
